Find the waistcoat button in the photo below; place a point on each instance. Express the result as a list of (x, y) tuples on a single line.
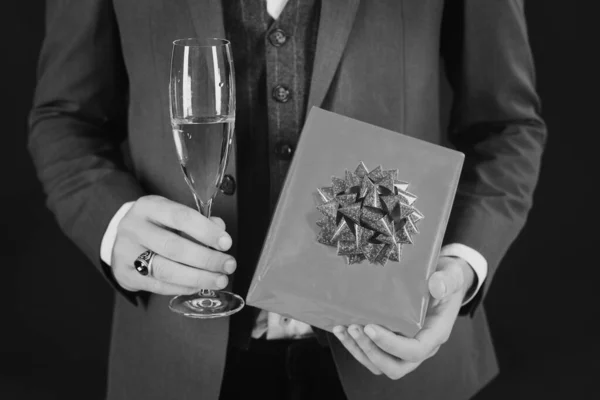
[(284, 151), (277, 37), (281, 93)]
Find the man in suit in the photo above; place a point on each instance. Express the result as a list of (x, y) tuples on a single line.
[(100, 139)]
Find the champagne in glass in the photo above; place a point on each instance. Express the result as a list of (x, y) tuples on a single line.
[(202, 100), (210, 138)]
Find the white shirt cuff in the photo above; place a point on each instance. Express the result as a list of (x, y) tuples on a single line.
[(475, 260), (108, 240)]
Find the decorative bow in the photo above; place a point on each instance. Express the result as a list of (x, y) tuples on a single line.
[(368, 215)]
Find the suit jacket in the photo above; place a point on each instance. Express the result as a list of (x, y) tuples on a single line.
[(100, 136)]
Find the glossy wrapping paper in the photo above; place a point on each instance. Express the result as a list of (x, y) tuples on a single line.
[(300, 277)]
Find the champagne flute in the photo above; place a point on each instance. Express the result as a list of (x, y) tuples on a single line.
[(202, 103)]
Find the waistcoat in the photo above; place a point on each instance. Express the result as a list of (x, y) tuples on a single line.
[(273, 62)]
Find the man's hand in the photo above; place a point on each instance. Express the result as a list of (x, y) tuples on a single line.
[(384, 352), (189, 248)]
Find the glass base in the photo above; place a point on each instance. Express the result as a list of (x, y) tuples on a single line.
[(207, 304)]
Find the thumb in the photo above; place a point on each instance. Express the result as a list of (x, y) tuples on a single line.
[(448, 279)]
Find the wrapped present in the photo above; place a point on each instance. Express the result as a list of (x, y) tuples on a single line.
[(358, 227)]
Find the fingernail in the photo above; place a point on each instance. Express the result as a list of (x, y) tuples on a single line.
[(354, 332), (370, 332), (443, 286), (338, 330), (229, 266), (221, 282), (224, 242)]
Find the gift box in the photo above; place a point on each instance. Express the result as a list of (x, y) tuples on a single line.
[(358, 227)]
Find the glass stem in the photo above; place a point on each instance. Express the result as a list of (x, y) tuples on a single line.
[(203, 207)]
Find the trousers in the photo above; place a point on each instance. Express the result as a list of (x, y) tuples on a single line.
[(284, 369)]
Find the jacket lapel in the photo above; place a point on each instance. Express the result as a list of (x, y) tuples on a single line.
[(207, 16), (335, 24)]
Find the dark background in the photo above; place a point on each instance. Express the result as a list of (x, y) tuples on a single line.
[(56, 309)]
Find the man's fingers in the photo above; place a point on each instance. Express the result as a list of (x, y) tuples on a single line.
[(177, 278), (219, 222), (391, 366), (398, 346), (150, 284), (176, 248), (175, 216), (171, 272), (409, 349), (447, 280), (131, 280), (372, 357), (350, 345)]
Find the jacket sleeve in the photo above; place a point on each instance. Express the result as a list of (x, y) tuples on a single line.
[(78, 123), (495, 120)]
